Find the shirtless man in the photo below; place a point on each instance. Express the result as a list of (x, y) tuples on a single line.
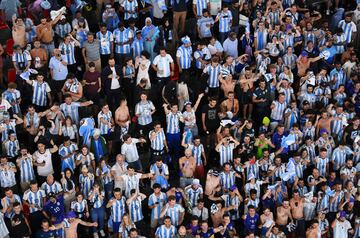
[(187, 165), (44, 33), (70, 225), (231, 104), (227, 84), (283, 214), (303, 63), (122, 115), (297, 211), (314, 230), (18, 32), (212, 183), (324, 122)]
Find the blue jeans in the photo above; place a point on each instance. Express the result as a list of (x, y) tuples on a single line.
[(98, 215), (223, 36), (174, 144), (108, 190)]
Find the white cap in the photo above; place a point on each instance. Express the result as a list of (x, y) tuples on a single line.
[(196, 182)]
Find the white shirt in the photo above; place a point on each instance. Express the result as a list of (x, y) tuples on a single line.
[(45, 157), (341, 229), (114, 82), (163, 65), (130, 151)]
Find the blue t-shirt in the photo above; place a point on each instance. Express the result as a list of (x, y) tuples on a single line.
[(46, 234), (56, 209), (251, 222)]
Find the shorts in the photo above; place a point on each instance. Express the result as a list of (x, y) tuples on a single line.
[(57, 85)]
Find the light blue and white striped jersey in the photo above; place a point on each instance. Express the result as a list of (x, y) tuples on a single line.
[(164, 169), (53, 188), (200, 6), (298, 138), (21, 58), (339, 156), (251, 202), (158, 142), (323, 202), (321, 94), (118, 209), (174, 213), (321, 164), (161, 200), (226, 153), (227, 180), (62, 29), (349, 28), (26, 168), (68, 50), (104, 127), (106, 178), (34, 198), (225, 19), (339, 43), (214, 72), (105, 41), (340, 98), (40, 91), (31, 34), (288, 40), (71, 110), (6, 127), (130, 9), (88, 158), (86, 183), (79, 207), (232, 201), (261, 37), (164, 232), (309, 36), (288, 92), (194, 194), (122, 37), (274, 17), (277, 113), (184, 53), (253, 169), (299, 169), (6, 201), (356, 157), (337, 128), (137, 47), (12, 148), (290, 60), (97, 200), (68, 161), (143, 110), (172, 122), (197, 152), (13, 98), (339, 77), (7, 177), (32, 120), (135, 210), (334, 205)]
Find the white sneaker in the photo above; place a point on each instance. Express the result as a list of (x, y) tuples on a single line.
[(327, 12), (95, 234), (102, 233)]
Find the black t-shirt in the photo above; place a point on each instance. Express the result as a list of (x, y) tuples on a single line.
[(351, 134), (21, 230), (211, 117)]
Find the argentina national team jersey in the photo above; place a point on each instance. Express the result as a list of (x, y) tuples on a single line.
[(40, 91), (184, 53), (122, 37), (227, 180), (165, 232), (174, 213), (26, 168), (200, 6), (68, 160), (158, 142), (71, 110), (13, 97), (11, 148), (225, 19), (79, 207), (7, 202), (137, 47), (68, 50), (349, 29), (160, 201), (103, 120), (226, 153), (97, 200), (105, 41), (52, 188), (130, 9), (172, 121), (214, 72), (118, 209), (7, 176), (86, 183), (135, 209), (34, 198)]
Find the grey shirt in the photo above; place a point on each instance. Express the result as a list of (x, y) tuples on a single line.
[(92, 50)]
